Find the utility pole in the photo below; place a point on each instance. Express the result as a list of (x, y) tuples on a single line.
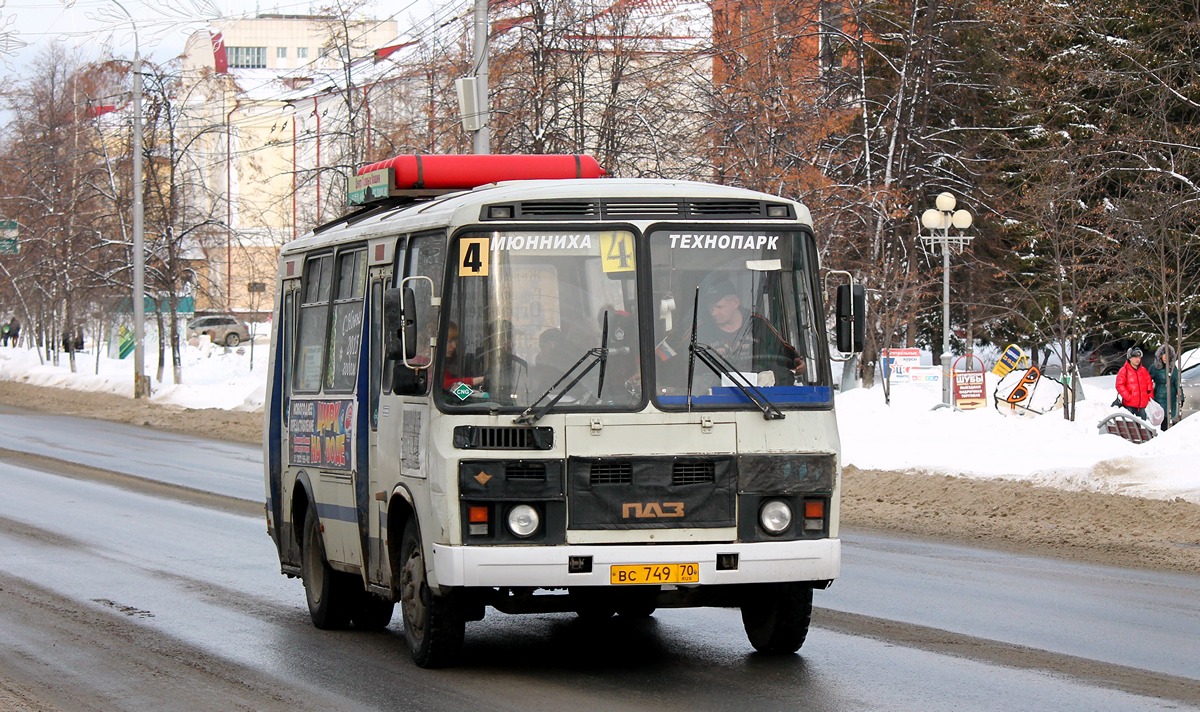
[(141, 384), (481, 138)]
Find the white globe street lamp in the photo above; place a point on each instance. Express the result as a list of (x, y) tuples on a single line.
[(938, 220)]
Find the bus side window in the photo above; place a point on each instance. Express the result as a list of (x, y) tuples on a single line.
[(346, 331), (426, 258), (287, 343), (374, 385), (313, 323)]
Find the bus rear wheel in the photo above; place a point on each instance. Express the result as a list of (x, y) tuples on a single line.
[(331, 594), (433, 625), (776, 617)]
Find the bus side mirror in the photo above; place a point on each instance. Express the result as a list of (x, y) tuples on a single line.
[(400, 323), (851, 317), (409, 381)]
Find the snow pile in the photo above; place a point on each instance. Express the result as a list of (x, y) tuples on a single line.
[(908, 435)]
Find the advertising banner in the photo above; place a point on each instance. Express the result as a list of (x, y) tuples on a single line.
[(969, 383), (1013, 357), (321, 434), (898, 362)]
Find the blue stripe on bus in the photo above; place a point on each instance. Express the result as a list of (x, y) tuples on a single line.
[(779, 395), (337, 512)]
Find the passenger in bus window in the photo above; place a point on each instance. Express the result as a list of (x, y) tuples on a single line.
[(552, 359), (499, 359), (452, 374), (622, 362)]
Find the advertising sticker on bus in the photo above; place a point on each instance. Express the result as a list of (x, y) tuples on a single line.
[(321, 433)]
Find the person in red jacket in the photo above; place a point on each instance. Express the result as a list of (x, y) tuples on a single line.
[(1134, 384)]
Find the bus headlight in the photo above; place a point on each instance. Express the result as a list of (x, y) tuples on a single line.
[(523, 521), (775, 516)]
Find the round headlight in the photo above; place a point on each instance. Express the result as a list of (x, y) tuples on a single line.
[(775, 516), (523, 520)]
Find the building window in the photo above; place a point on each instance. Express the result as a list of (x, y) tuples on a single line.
[(281, 53), (248, 57), (301, 53)]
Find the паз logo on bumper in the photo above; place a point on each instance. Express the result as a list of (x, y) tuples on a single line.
[(651, 510)]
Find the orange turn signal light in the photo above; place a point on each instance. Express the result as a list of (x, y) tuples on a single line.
[(477, 515), (814, 509)]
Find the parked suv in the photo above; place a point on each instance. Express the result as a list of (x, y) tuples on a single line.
[(221, 329), (1102, 355), (1189, 384)]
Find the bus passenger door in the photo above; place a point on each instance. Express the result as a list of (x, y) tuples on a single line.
[(383, 469), (277, 436)]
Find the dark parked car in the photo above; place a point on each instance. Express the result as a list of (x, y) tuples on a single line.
[(221, 329), (1101, 355)]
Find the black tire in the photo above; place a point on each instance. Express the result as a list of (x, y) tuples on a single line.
[(433, 625), (372, 612), (640, 609), (331, 594), (595, 614), (776, 617), (232, 340), (592, 605), (638, 604)]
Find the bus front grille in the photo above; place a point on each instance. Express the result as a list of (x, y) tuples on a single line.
[(651, 492), (527, 471), (479, 437), (693, 473), (611, 473)]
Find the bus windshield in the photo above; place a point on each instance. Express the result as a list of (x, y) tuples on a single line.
[(526, 309), (748, 291)]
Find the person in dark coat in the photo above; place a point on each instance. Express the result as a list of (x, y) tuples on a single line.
[(14, 331), (1134, 384), (1163, 370)]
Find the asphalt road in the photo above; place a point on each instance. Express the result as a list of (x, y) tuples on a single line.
[(120, 592)]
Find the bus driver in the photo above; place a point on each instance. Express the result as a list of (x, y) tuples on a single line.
[(747, 340)]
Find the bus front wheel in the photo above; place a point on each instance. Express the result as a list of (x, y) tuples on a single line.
[(330, 593), (433, 625), (776, 617)]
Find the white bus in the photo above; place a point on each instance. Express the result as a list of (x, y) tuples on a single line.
[(553, 394)]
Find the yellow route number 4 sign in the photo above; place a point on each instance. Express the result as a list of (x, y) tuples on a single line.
[(473, 255), (616, 249)]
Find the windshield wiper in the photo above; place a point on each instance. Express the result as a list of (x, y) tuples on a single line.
[(721, 366), (593, 357)]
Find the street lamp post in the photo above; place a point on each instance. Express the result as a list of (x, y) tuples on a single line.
[(141, 384), (938, 221)]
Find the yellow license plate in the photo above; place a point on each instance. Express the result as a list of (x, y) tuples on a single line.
[(654, 573)]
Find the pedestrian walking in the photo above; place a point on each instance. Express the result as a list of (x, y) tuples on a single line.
[(1165, 375), (1134, 385)]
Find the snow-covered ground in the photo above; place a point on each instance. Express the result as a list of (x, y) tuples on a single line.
[(906, 435)]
